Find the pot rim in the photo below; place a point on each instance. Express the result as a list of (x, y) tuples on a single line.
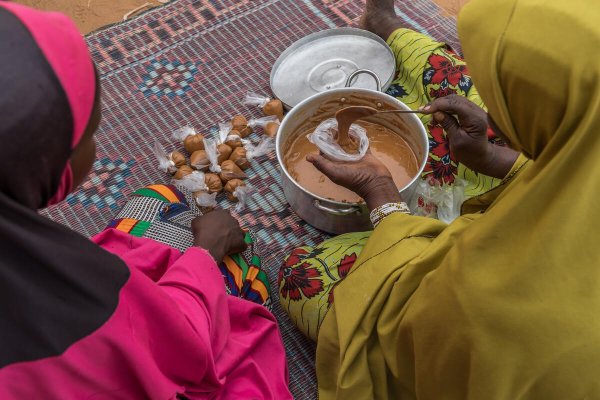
[(289, 115)]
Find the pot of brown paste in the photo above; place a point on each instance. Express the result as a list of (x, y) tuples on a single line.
[(399, 140)]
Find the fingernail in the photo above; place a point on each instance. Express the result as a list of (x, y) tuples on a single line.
[(427, 107)]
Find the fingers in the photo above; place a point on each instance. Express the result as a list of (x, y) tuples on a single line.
[(454, 111), (452, 104), (449, 123), (322, 164)]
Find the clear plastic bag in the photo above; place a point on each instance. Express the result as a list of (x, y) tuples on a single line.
[(183, 132), (238, 191), (194, 182), (243, 194), (210, 146), (206, 201), (230, 170), (199, 160), (435, 200), (262, 122), (269, 106), (264, 147), (270, 125), (225, 129), (242, 156), (253, 99), (192, 141), (325, 138), (165, 163)]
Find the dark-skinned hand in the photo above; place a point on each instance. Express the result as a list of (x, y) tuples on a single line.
[(369, 177), (219, 233), (466, 126)]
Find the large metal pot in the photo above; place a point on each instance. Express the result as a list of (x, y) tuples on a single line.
[(325, 214)]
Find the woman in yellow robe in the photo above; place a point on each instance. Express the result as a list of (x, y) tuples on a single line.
[(504, 302)]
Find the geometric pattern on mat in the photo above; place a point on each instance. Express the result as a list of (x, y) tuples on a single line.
[(168, 77), (191, 62), (104, 187)]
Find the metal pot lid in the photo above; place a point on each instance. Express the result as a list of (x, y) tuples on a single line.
[(324, 60)]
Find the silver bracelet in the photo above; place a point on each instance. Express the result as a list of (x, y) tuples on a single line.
[(378, 214)]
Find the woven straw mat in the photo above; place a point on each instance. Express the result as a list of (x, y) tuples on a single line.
[(191, 62)]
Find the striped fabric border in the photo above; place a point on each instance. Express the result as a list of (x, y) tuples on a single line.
[(132, 226), (166, 193)]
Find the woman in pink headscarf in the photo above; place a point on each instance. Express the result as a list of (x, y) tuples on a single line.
[(135, 319)]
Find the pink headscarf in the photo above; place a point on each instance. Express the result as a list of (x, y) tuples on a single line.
[(63, 46)]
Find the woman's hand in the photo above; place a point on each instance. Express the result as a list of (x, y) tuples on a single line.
[(468, 136), (368, 178), (219, 233)]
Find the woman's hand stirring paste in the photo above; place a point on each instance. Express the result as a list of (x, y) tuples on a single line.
[(368, 178), (468, 140)]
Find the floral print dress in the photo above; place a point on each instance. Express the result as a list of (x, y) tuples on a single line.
[(426, 70)]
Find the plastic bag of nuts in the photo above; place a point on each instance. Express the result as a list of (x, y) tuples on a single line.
[(192, 141), (269, 106)]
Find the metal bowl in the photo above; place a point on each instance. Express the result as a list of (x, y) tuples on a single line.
[(326, 214)]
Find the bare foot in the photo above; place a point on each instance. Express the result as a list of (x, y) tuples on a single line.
[(380, 18)]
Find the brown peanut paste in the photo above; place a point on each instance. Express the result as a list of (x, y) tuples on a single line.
[(346, 117), (389, 147)]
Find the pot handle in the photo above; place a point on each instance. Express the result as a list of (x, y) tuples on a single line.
[(353, 76), (333, 211)]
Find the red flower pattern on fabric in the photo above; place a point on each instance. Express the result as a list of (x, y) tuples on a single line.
[(300, 280), (345, 264), (445, 69), (441, 92), (442, 171), (439, 144), (295, 257), (330, 297)]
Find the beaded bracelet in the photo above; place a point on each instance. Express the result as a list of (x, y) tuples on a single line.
[(378, 214)]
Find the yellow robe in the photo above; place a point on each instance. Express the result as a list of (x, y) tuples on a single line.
[(504, 303)]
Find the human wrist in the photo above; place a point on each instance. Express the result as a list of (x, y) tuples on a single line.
[(498, 161), (382, 212), (380, 191)]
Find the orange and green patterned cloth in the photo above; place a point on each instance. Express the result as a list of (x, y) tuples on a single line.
[(163, 213)]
